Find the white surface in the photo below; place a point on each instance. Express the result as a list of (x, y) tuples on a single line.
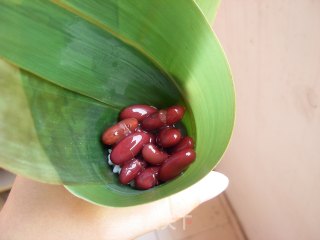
[(273, 161)]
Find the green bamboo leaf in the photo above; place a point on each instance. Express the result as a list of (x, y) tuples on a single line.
[(82, 61), (45, 130), (81, 58), (208, 8), (18, 138), (57, 45)]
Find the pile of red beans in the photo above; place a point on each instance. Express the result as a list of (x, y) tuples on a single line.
[(147, 147)]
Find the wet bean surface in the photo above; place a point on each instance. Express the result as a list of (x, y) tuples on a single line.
[(138, 112), (145, 148), (153, 155), (175, 164), (130, 170), (129, 147), (186, 142), (169, 137), (119, 131)]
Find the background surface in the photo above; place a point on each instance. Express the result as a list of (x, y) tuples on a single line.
[(273, 161)]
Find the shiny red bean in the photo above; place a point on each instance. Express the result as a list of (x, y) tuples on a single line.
[(144, 164), (130, 170), (138, 111), (146, 179), (186, 142), (120, 130), (153, 155), (128, 147), (155, 170), (155, 120), (161, 118), (175, 164), (169, 137), (174, 114), (139, 129), (152, 138)]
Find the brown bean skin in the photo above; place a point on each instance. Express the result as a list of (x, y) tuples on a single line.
[(137, 111), (175, 164), (146, 179), (186, 142), (128, 147), (174, 114), (130, 170), (168, 137), (153, 155), (155, 120), (119, 131)]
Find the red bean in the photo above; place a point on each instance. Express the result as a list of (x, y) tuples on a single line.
[(144, 164), (128, 147), (175, 164), (155, 170), (186, 142), (130, 170), (152, 137), (137, 142), (174, 114), (120, 130), (153, 155), (146, 179), (163, 117), (169, 137), (155, 120), (139, 129), (138, 111)]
